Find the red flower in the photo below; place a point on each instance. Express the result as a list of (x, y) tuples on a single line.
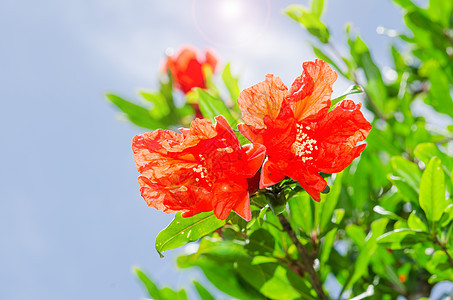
[(301, 137), (202, 169), (186, 68)]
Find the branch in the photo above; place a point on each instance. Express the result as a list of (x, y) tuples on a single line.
[(307, 262), (438, 243)]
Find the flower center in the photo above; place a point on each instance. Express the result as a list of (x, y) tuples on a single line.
[(201, 171), (304, 146)]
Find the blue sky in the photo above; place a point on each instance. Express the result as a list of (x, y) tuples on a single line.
[(72, 220)]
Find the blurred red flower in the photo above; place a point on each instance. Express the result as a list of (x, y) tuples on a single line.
[(301, 137), (202, 169), (186, 68)]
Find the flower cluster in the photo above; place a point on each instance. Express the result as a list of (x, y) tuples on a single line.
[(204, 168)]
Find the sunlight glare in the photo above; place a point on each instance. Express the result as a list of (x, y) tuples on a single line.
[(231, 9)]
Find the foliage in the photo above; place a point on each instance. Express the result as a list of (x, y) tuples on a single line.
[(385, 227)]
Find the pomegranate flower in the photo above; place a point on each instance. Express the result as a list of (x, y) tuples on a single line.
[(202, 169), (186, 68), (301, 137)]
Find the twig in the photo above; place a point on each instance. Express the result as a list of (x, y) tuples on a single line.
[(307, 262), (438, 243)]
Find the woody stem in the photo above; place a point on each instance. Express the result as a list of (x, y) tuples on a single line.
[(307, 261)]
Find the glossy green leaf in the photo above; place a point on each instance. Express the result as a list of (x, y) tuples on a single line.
[(382, 211), (184, 230), (202, 291), (432, 190)]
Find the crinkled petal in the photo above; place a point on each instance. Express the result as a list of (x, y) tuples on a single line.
[(262, 99), (249, 133), (310, 93), (144, 146), (338, 134), (200, 129)]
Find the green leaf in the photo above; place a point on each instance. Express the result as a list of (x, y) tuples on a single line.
[(361, 264), (403, 238), (261, 242), (184, 230), (211, 107), (432, 190), (217, 260), (301, 212), (317, 6), (160, 107), (203, 292), (375, 87), (408, 171), (320, 54), (325, 209), (309, 20), (416, 223), (356, 233), (326, 246), (231, 84), (353, 89), (137, 114), (152, 289), (447, 216), (382, 211), (271, 280), (426, 151)]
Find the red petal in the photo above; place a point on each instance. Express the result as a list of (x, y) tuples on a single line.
[(262, 99), (310, 93), (211, 59), (145, 145), (247, 131), (312, 183), (338, 134), (243, 208), (270, 174), (255, 154), (225, 131)]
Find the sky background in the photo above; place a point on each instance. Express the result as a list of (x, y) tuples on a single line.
[(72, 221)]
